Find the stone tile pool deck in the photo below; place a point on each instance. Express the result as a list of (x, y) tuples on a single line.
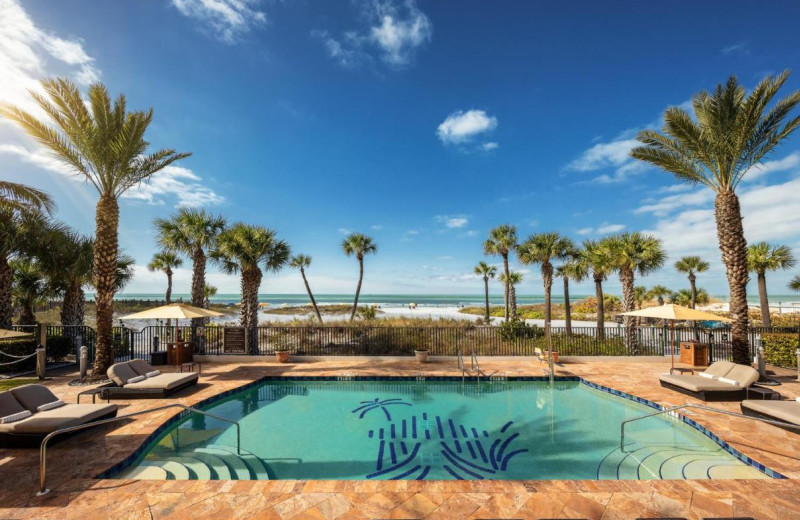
[(73, 464)]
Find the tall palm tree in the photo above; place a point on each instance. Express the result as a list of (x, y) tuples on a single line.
[(502, 240), (66, 257), (541, 249), (246, 249), (731, 132), (510, 282), (209, 291), (597, 258), (639, 295), (691, 265), (658, 293), (166, 261), (191, 232), (763, 257), (576, 270), (486, 271), (359, 245), (19, 231), (105, 145), (684, 296), (794, 284), (301, 262), (30, 288), (19, 197), (633, 253)]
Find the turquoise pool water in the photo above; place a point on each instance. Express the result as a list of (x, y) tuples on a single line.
[(432, 430)]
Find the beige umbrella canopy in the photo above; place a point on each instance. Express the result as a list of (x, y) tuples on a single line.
[(12, 334), (173, 311), (675, 313)]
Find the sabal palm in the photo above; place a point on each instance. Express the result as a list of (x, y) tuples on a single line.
[(763, 257), (658, 292), (794, 284), (165, 262), (209, 291), (731, 132), (301, 262), (691, 265), (191, 232), (19, 197), (105, 145), (486, 271), (29, 288), (596, 257), (576, 270), (19, 230), (684, 296), (246, 249), (510, 282), (639, 295), (542, 249), (66, 258), (358, 245), (501, 241), (631, 254)]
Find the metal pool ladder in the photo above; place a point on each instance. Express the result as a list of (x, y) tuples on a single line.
[(475, 367), (671, 411), (43, 449)]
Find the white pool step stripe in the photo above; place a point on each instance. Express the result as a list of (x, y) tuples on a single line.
[(219, 469), (239, 470), (257, 468)]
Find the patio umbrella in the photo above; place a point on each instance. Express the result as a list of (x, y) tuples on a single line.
[(173, 311), (675, 313), (11, 334)]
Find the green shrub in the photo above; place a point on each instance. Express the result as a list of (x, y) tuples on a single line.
[(780, 349), (17, 347), (59, 347), (516, 329)]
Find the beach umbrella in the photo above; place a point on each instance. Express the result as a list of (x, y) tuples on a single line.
[(675, 313), (12, 334), (173, 311)]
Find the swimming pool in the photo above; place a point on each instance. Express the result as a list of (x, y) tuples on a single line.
[(432, 430)]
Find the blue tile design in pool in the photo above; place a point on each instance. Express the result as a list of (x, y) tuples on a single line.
[(378, 404)]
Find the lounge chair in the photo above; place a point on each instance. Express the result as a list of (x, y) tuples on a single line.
[(29, 431), (724, 381), (787, 412), (130, 380)]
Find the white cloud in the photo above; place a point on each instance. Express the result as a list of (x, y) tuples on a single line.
[(603, 229), (344, 231), (228, 20), (462, 127), (584, 231), (175, 181), (486, 147), (36, 157), (603, 155), (452, 222), (376, 227), (664, 205), (768, 167), (736, 48), (408, 235), (396, 30)]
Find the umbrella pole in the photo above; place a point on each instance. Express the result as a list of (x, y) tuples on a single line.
[(672, 346)]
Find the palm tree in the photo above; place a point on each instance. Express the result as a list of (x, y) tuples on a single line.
[(691, 265), (541, 249), (29, 288), (301, 262), (513, 279), (501, 241), (66, 258), (359, 245), (19, 197), (191, 232), (209, 291), (658, 292), (684, 296), (165, 261), (244, 249), (595, 255), (19, 231), (633, 253), (763, 257), (486, 271), (730, 133), (105, 146), (576, 270), (794, 284), (639, 295)]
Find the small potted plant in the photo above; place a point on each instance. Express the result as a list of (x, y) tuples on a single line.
[(282, 355), (421, 354)]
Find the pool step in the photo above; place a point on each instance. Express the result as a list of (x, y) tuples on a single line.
[(214, 462)]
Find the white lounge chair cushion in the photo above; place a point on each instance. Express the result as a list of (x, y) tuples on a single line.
[(63, 417), (744, 374), (154, 373), (707, 375), (728, 381), (797, 399), (14, 417), (698, 384), (136, 379), (164, 381), (58, 403)]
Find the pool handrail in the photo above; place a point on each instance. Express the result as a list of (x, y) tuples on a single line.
[(43, 448), (684, 406)]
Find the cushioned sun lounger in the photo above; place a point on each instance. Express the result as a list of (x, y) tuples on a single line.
[(29, 431), (130, 380), (785, 411), (727, 382)]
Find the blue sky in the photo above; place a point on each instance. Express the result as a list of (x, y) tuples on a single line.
[(419, 123)]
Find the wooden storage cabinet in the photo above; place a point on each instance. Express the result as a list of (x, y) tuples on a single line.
[(694, 353), (179, 353)]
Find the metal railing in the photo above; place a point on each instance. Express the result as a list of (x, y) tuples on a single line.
[(43, 449), (690, 405)]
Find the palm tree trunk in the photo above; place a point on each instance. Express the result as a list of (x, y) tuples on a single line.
[(72, 307), (734, 255), (567, 309), (358, 287), (168, 296), (547, 277), (251, 281), (601, 318), (26, 314), (512, 292), (6, 278), (106, 249), (310, 295), (508, 283), (692, 282), (626, 277), (766, 320), (486, 295), (198, 282)]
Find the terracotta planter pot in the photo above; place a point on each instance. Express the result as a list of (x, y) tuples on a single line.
[(555, 356), (282, 356), (421, 355)]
